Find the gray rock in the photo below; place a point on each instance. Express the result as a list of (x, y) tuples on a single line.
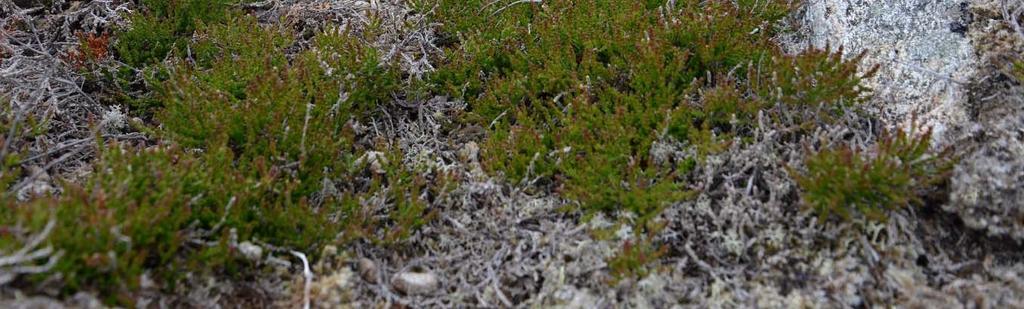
[(986, 187), (923, 55), (988, 183), (941, 66)]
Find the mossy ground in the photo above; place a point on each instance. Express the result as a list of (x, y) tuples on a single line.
[(256, 136)]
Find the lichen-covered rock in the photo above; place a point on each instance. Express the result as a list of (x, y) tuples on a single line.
[(988, 184), (942, 65), (920, 46)]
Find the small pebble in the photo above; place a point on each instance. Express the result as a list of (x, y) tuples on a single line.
[(250, 251), (368, 270), (415, 283)]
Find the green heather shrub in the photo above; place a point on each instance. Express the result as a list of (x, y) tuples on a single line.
[(257, 142), (817, 80), (844, 182), (245, 95), (289, 117), (409, 212), (255, 145), (141, 208), (815, 77), (578, 91), (164, 212), (15, 130), (158, 30), (161, 26), (1018, 70), (10, 170), (633, 261)]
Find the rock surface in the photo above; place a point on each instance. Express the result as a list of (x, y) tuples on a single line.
[(924, 57), (942, 66), (988, 183)]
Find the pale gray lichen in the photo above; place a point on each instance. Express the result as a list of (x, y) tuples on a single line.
[(39, 82)]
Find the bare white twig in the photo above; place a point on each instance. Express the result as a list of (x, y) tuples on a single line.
[(25, 260), (308, 275), (498, 11)]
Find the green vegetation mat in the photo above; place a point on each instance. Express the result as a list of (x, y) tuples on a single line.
[(251, 123)]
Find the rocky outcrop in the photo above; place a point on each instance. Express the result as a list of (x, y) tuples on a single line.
[(924, 56), (988, 183), (943, 65)]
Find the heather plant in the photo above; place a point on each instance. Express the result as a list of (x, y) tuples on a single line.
[(256, 144), (1018, 70), (635, 259), (269, 110), (159, 30), (290, 117), (161, 212), (163, 26), (576, 92), (16, 129), (165, 207), (815, 78), (895, 173), (259, 138)]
